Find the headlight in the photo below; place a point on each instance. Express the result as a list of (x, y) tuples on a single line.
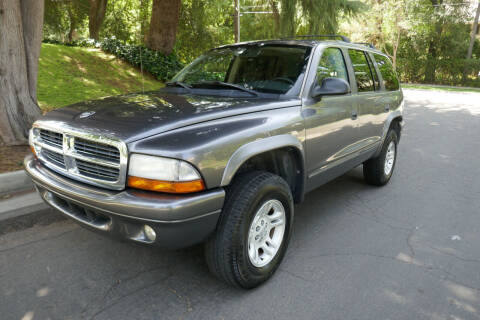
[(30, 142), (163, 175)]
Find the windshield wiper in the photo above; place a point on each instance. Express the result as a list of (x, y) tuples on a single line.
[(179, 84), (226, 85)]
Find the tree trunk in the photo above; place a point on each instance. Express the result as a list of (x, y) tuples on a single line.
[(163, 25), (395, 50), (143, 20), (472, 42), (287, 17), (73, 24), (276, 16), (95, 17), (431, 66), (236, 24), (20, 40), (474, 33)]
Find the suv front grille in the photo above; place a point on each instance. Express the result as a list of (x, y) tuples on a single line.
[(97, 150), (89, 158)]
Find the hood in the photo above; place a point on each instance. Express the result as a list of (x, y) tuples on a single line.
[(135, 116)]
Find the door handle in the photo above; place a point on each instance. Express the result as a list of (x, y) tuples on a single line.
[(354, 115)]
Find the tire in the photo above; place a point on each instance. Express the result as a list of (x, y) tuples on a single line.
[(227, 251), (375, 169)]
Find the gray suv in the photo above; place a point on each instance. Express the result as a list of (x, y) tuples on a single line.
[(222, 153)]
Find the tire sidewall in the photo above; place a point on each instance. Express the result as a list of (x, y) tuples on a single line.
[(392, 136), (259, 274)]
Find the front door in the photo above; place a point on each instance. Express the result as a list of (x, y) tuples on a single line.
[(330, 121)]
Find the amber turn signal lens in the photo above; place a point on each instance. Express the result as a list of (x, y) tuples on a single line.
[(33, 151), (166, 186)]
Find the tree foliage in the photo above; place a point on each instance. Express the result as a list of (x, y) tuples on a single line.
[(426, 39)]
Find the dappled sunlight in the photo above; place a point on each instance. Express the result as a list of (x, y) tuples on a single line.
[(28, 316), (445, 101), (408, 259), (43, 292), (395, 297), (74, 74), (463, 292), (462, 305)]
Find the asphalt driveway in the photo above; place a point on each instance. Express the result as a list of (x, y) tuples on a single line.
[(410, 250)]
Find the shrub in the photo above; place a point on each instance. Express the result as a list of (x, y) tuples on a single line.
[(89, 43), (161, 66)]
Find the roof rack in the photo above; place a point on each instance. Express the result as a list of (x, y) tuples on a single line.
[(313, 36), (370, 45)]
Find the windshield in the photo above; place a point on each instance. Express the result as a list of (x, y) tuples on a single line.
[(261, 68)]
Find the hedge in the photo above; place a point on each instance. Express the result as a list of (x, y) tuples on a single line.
[(161, 66)]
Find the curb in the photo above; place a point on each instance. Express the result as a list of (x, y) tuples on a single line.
[(24, 211), (15, 181)]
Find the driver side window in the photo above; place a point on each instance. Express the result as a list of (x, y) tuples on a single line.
[(331, 65)]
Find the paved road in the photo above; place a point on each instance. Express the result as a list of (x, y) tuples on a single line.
[(410, 250)]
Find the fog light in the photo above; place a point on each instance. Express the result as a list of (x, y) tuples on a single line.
[(149, 233)]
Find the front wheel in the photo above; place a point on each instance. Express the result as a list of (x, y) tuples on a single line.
[(253, 231), (378, 171)]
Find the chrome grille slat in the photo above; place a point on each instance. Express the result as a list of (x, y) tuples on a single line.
[(80, 155), (97, 171), (54, 157), (101, 151), (52, 138), (89, 165)]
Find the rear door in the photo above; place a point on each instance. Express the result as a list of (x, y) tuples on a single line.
[(391, 96)]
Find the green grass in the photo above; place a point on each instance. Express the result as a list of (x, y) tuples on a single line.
[(442, 88), (72, 74)]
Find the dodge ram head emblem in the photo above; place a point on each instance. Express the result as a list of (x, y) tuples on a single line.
[(86, 114)]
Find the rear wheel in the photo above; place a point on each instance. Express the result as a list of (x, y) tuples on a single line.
[(378, 171), (253, 231)]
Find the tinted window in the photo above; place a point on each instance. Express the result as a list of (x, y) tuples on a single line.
[(332, 65), (374, 72), (390, 79), (363, 74), (263, 68)]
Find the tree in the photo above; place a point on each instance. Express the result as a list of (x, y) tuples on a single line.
[(163, 25), (323, 15), (95, 17), (432, 45), (318, 16), (276, 15), (21, 24), (287, 17), (474, 33), (236, 18)]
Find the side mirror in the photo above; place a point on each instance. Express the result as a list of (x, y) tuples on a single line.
[(331, 86)]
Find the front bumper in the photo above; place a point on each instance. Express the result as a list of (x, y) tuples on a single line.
[(178, 220)]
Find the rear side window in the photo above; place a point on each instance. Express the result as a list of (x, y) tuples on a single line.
[(363, 74), (374, 72), (390, 79), (332, 65)]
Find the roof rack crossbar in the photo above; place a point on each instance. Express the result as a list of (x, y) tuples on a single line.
[(345, 39), (370, 45)]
